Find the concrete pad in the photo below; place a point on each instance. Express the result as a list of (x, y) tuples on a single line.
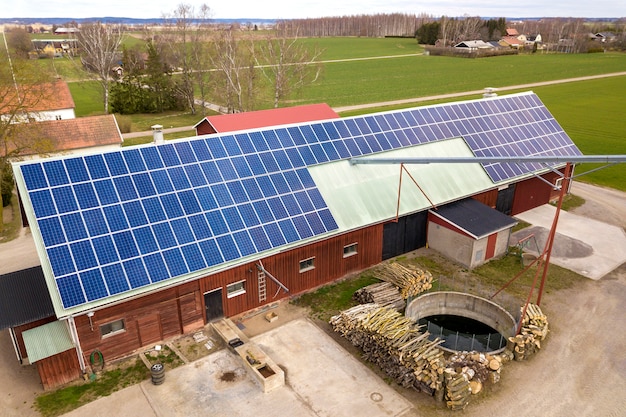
[(607, 242), (322, 379), (331, 381)]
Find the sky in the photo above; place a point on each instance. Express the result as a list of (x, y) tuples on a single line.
[(285, 9)]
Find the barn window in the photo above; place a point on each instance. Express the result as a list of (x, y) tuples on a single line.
[(350, 250), (111, 328), (307, 264), (236, 288)]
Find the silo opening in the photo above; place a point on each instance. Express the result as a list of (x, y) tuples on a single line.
[(464, 321)]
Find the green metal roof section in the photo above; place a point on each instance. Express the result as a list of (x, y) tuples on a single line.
[(47, 340), (361, 195)]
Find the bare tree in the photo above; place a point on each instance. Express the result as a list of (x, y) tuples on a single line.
[(22, 88), (232, 64), (288, 64), (99, 44), (186, 43)]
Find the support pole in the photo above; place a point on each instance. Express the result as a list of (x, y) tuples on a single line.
[(566, 178)]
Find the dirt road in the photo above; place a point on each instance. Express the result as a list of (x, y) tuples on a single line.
[(604, 204)]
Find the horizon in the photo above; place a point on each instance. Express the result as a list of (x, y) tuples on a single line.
[(279, 10)]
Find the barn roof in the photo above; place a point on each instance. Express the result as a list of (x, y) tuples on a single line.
[(475, 218), (113, 225), (54, 136), (39, 97), (24, 297), (271, 117)]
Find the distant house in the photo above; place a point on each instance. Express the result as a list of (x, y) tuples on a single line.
[(473, 45), (41, 102), (66, 31), (512, 32), (261, 118), (511, 42), (604, 37), (73, 136), (55, 47)]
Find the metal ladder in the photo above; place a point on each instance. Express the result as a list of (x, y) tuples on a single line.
[(262, 286)]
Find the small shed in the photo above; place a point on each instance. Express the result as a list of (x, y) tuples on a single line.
[(469, 232)]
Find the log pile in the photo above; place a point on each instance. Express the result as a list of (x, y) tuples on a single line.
[(410, 279), (534, 329), (475, 369), (383, 293), (395, 343)]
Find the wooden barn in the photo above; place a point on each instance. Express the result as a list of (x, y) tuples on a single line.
[(149, 242)]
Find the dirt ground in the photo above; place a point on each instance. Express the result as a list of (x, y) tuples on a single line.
[(580, 370)]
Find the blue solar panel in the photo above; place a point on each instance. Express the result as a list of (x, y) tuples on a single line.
[(146, 214), (55, 171)]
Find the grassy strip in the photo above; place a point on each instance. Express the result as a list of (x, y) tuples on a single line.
[(11, 229), (490, 277), (69, 398), (333, 298)]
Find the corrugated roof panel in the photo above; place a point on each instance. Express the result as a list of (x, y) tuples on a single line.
[(47, 340), (365, 194)]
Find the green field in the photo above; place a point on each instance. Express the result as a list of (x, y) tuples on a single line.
[(589, 111)]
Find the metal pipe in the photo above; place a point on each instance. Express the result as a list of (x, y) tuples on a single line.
[(490, 159)]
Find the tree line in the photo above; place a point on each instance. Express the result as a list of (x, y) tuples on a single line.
[(184, 64)]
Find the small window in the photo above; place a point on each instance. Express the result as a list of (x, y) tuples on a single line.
[(235, 289), (114, 327), (58, 117), (350, 250), (307, 264)]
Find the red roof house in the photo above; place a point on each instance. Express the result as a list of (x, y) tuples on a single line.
[(262, 118)]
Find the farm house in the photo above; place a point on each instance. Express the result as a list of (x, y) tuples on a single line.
[(149, 242)]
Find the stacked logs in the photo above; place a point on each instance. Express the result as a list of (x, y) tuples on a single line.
[(534, 329), (466, 374), (410, 279), (395, 343), (384, 294)]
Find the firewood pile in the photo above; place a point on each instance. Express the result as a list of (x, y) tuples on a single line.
[(385, 294), (466, 374), (534, 329), (397, 345), (410, 279)]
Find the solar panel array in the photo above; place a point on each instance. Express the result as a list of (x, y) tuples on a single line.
[(118, 221), (121, 220)]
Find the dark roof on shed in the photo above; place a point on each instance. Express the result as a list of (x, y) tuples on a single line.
[(474, 217), (24, 297)]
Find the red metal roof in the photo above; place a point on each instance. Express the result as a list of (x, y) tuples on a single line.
[(272, 117)]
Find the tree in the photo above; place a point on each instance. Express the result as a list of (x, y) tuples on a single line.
[(20, 90), (184, 41), (290, 65), (19, 42), (230, 60), (99, 45), (428, 33)]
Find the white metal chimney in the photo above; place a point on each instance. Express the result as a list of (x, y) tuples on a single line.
[(157, 133), (490, 92)]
